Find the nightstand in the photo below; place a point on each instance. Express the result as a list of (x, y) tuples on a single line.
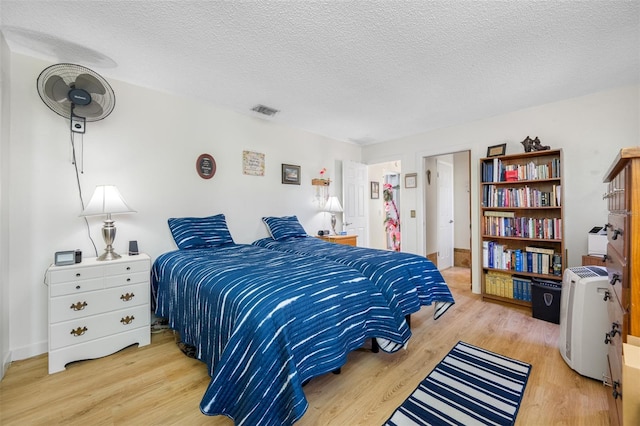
[(348, 240), (97, 308), (593, 260)]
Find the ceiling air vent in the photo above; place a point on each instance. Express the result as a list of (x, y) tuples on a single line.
[(265, 110)]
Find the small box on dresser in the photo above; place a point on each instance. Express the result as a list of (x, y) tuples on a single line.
[(623, 267), (97, 308)]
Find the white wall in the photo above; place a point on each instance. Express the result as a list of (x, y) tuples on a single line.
[(4, 207), (148, 148), (589, 129)]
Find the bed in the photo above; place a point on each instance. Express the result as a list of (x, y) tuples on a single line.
[(407, 281), (263, 321)]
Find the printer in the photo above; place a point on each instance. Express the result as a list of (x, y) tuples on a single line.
[(597, 241)]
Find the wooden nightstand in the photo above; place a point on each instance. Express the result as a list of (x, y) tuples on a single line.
[(593, 260), (347, 240)]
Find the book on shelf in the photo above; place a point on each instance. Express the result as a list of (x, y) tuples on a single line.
[(494, 213), (544, 250)]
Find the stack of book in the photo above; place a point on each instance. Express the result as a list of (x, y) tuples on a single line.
[(521, 288), (495, 171), (536, 260), (494, 196), (505, 224), (498, 284)]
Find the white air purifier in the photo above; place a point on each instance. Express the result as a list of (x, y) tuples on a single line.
[(584, 320)]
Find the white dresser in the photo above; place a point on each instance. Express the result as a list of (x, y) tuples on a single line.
[(97, 308)]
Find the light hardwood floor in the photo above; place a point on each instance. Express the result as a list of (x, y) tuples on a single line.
[(158, 385)]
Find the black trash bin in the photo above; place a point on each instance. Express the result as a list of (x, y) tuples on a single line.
[(545, 300)]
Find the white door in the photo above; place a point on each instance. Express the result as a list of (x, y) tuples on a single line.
[(354, 191), (445, 214)]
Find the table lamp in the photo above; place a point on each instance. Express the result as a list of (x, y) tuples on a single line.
[(107, 200), (333, 206)]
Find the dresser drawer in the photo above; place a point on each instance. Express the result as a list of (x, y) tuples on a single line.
[(127, 267), (89, 328), (617, 197), (63, 274), (615, 403), (617, 234), (617, 271), (74, 306), (126, 279), (75, 287)]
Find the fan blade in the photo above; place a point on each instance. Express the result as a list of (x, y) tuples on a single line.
[(56, 89), (90, 84), (88, 111)]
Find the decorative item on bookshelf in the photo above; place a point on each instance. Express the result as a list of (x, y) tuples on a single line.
[(496, 150), (533, 145)]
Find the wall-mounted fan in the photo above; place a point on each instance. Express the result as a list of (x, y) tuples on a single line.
[(77, 93)]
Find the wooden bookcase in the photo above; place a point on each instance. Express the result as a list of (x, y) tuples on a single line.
[(521, 224)]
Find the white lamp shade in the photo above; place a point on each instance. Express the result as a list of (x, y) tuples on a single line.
[(333, 205), (106, 199)]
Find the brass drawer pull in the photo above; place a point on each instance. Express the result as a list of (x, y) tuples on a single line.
[(127, 297), (78, 306), (79, 331), (127, 320)]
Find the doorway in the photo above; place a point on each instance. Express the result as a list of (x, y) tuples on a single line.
[(379, 174), (447, 199)]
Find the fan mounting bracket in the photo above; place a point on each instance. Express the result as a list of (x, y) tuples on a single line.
[(77, 123)]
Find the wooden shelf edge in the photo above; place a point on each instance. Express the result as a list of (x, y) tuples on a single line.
[(505, 300), (525, 274)]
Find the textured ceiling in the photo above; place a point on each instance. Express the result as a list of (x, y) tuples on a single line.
[(360, 71)]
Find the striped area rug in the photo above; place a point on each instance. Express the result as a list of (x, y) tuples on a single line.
[(470, 386)]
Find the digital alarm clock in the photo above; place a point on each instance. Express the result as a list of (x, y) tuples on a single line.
[(67, 257)]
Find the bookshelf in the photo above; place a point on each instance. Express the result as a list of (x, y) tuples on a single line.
[(521, 224)]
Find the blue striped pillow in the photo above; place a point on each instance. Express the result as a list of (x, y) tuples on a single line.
[(200, 232), (284, 227)]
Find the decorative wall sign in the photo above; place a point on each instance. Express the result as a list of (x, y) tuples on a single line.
[(252, 163), (290, 174), (410, 180), (206, 166)]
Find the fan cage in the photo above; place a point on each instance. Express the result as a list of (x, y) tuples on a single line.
[(69, 73)]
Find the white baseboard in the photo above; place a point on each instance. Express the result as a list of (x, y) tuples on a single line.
[(6, 360), (29, 351)]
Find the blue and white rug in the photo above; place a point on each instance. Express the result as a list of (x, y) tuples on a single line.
[(470, 386)]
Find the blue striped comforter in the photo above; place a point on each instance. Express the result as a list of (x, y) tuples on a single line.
[(265, 321), (406, 280)]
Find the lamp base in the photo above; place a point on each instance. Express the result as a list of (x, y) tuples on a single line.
[(109, 234), (333, 223), (109, 255)]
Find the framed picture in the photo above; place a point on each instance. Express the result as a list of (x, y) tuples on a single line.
[(495, 150), (410, 180), (375, 190), (290, 174)]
